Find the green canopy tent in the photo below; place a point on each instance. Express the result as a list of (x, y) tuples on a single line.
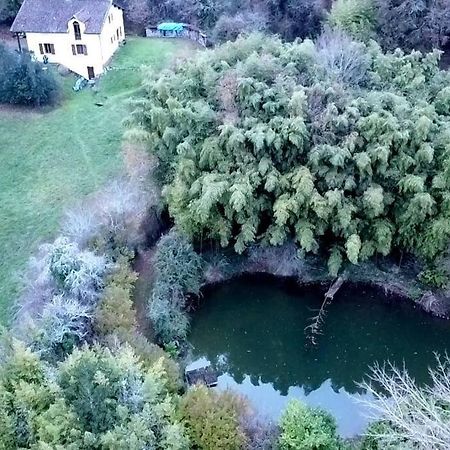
[(171, 28)]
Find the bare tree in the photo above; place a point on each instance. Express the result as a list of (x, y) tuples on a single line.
[(342, 58), (418, 417)]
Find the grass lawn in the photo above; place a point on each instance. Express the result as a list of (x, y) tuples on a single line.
[(50, 160)]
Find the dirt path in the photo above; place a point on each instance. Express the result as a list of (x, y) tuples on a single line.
[(143, 265)]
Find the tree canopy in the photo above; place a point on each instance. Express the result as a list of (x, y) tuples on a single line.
[(338, 145)]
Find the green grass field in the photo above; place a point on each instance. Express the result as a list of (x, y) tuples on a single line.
[(50, 160)]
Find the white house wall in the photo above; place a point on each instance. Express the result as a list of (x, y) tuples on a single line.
[(108, 36), (100, 47)]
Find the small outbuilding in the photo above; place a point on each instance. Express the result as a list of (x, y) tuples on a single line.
[(177, 30)]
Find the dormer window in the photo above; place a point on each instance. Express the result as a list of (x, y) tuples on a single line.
[(77, 31)]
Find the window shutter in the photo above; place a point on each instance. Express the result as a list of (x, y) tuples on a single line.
[(84, 49), (52, 48), (74, 50), (41, 49)]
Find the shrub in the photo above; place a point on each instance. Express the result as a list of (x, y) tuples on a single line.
[(177, 264), (355, 17), (113, 219), (26, 82), (114, 313), (228, 28), (179, 271), (115, 322), (212, 419), (342, 59), (63, 324), (77, 273), (305, 428), (434, 277)]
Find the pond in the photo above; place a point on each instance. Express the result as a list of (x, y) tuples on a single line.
[(252, 329)]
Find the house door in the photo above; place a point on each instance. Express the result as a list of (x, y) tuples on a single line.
[(91, 73)]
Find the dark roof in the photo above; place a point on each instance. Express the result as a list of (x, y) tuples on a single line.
[(52, 16)]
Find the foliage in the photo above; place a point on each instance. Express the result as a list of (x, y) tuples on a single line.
[(63, 324), (115, 313), (355, 17), (96, 399), (115, 322), (76, 273), (178, 274), (434, 277), (258, 143), (413, 24), (9, 9), (212, 419), (24, 81), (412, 416), (340, 57), (304, 428), (228, 28)]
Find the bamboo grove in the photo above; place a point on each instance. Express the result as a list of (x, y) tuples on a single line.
[(339, 146)]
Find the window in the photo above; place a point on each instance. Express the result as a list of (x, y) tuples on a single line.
[(112, 39), (120, 31), (77, 31), (117, 33), (80, 49), (46, 49)]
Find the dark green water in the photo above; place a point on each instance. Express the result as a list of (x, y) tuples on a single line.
[(253, 329)]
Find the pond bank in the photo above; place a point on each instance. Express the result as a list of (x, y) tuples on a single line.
[(398, 283)]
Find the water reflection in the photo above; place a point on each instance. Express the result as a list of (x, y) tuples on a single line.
[(254, 330)]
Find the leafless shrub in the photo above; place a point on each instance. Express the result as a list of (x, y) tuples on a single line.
[(282, 261), (261, 434), (138, 163), (81, 223), (344, 60), (418, 417), (118, 212), (78, 273), (62, 318)]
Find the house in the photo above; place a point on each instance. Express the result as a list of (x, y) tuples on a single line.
[(82, 35)]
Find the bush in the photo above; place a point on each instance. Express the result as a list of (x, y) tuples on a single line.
[(77, 273), (354, 17), (342, 59), (178, 273), (114, 313), (63, 324), (435, 277), (115, 323), (228, 28), (113, 219), (26, 82), (212, 419), (305, 428)]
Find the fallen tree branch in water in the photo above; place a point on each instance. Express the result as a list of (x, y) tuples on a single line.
[(314, 329)]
